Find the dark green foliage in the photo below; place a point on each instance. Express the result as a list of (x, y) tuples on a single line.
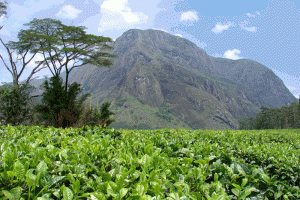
[(105, 114), (59, 106), (15, 104), (163, 116), (3, 8), (95, 117), (277, 118)]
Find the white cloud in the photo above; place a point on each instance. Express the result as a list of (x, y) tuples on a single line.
[(244, 23), (117, 15), (189, 15), (251, 29), (232, 54), (69, 12), (178, 35), (253, 15), (2, 19), (250, 15), (219, 28)]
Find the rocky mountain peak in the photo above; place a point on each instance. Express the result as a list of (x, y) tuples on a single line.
[(160, 80)]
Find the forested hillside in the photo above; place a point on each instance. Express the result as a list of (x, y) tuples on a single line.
[(276, 118)]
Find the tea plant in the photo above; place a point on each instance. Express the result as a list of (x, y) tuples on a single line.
[(95, 163)]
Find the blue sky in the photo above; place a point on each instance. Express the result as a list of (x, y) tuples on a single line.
[(266, 31)]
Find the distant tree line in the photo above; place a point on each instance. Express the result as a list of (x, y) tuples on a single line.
[(274, 118), (60, 107)]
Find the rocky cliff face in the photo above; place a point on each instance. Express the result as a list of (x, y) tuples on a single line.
[(163, 81), (267, 88)]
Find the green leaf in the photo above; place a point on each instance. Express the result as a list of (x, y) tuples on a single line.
[(19, 170), (187, 161), (247, 192), (110, 191), (147, 148), (71, 178), (17, 191), (237, 186), (278, 194), (216, 177), (42, 166), (56, 179), (145, 197), (140, 189), (30, 178), (201, 162), (236, 192), (67, 193), (123, 192), (97, 196), (8, 194), (10, 174), (174, 195), (244, 182), (76, 186)]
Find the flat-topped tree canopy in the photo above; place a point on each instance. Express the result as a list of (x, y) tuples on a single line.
[(58, 42)]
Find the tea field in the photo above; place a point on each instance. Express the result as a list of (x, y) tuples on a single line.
[(94, 163)]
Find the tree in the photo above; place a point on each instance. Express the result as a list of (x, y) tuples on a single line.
[(16, 86), (8, 97), (3, 9), (25, 48), (14, 104), (14, 100), (67, 42), (59, 107), (94, 117), (105, 119)]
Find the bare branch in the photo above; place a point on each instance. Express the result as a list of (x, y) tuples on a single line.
[(5, 64)]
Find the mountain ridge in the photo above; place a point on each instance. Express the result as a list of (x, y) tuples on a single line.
[(163, 81)]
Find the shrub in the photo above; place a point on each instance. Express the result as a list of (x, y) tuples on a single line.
[(95, 117)]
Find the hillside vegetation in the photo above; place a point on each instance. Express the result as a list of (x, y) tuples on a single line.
[(276, 118)]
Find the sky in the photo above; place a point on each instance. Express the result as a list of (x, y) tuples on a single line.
[(266, 31)]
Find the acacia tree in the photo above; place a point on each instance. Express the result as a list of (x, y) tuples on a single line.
[(24, 51), (58, 42), (63, 42), (13, 101)]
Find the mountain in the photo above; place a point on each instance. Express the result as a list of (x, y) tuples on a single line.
[(160, 80)]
